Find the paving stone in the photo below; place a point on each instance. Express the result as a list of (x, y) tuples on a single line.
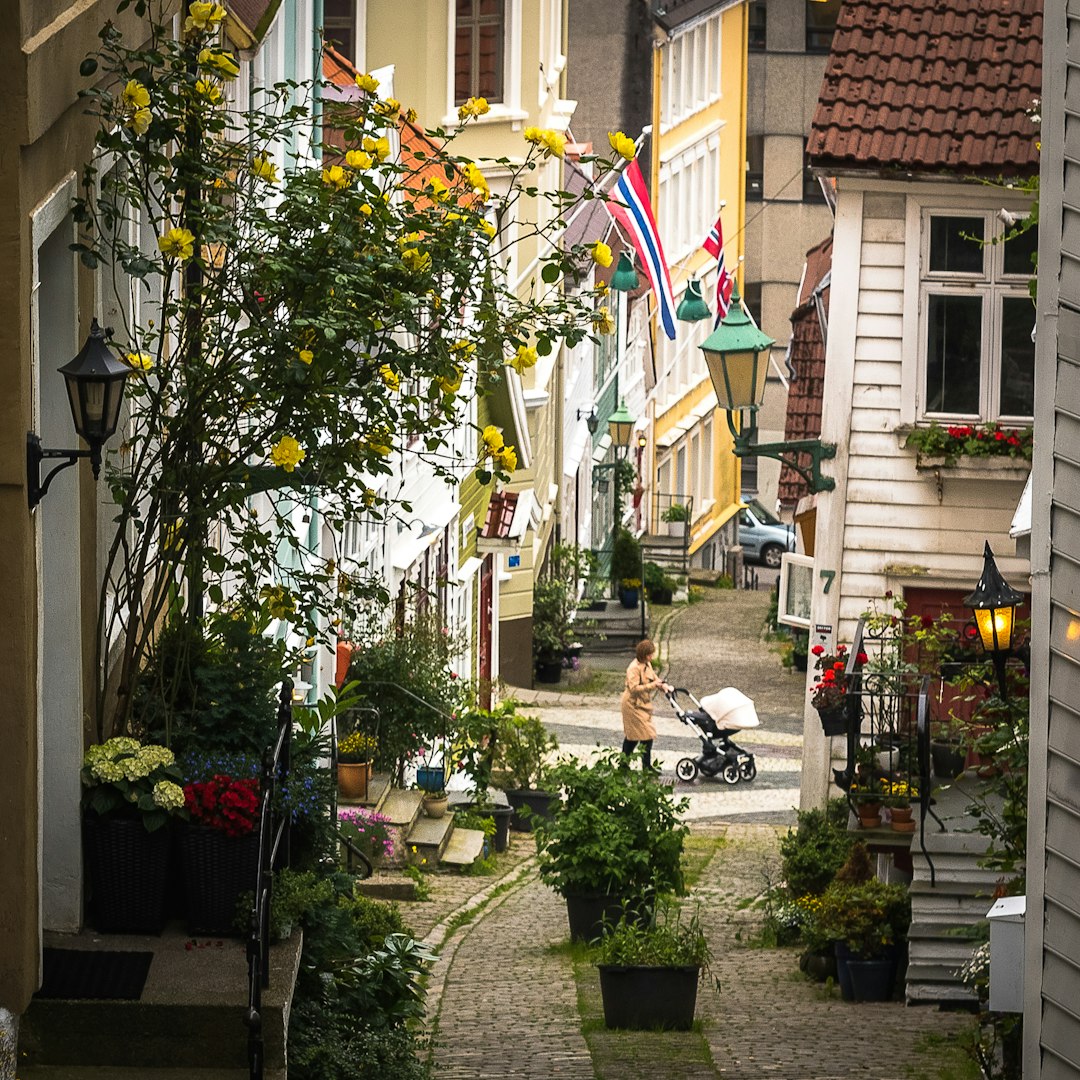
[(464, 848)]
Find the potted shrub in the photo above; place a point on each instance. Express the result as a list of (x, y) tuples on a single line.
[(615, 840), (435, 803), (131, 793), (947, 750), (898, 795), (659, 587), (368, 831), (626, 567), (829, 694), (676, 516), (356, 752), (524, 745), (553, 632), (219, 850), (649, 971)]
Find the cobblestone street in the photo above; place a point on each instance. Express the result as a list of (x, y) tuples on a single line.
[(510, 999)]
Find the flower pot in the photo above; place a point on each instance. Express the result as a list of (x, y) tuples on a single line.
[(353, 779), (872, 980), (128, 869), (660, 596), (648, 998), (869, 814), (948, 758), (843, 975), (501, 815), (588, 913), (628, 598), (218, 869), (548, 671), (819, 965), (676, 529), (430, 778), (537, 802), (435, 807), (833, 720), (900, 819)]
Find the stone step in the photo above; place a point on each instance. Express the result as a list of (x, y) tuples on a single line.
[(190, 1015), (387, 887), (111, 1072), (948, 862), (955, 951), (379, 787), (982, 887), (463, 848), (944, 974), (929, 930), (952, 843), (402, 808), (430, 836), (927, 993)]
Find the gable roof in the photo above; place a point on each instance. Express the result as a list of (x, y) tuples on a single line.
[(931, 85)]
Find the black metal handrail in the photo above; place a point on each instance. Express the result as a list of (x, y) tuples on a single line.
[(351, 850), (274, 852), (923, 744)]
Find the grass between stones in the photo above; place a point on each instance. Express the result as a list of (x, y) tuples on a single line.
[(944, 1058)]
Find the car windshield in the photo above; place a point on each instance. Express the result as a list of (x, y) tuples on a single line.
[(762, 514)]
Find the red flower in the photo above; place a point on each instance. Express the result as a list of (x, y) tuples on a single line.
[(999, 435), (888, 594), (861, 658), (841, 649), (927, 622), (817, 650), (829, 676), (838, 666), (224, 803)]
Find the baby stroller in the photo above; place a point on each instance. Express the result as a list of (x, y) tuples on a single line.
[(714, 719)]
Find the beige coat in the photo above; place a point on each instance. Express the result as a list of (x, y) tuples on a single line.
[(641, 684)]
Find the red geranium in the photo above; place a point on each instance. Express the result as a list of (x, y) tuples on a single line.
[(224, 803), (831, 687)]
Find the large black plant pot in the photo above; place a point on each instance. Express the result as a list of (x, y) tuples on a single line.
[(649, 998), (501, 815), (538, 804), (128, 869), (872, 980), (949, 759), (628, 598), (833, 720), (590, 913), (549, 671)]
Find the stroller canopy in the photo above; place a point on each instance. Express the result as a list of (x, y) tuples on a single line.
[(731, 708)]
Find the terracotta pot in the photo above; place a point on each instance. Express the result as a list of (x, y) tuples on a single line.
[(353, 779), (869, 814), (900, 819)]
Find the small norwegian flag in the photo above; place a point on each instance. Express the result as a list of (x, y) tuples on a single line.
[(714, 245)]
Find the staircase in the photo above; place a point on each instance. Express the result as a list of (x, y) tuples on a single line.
[(946, 912), (670, 553), (608, 627)]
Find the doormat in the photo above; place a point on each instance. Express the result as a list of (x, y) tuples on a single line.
[(86, 973)]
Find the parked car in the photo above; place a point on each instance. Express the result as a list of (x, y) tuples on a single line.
[(763, 535)]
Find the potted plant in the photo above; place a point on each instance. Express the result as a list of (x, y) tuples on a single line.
[(898, 795), (356, 752), (524, 745), (829, 694), (659, 587), (649, 971), (368, 831), (131, 793), (626, 567), (676, 516), (219, 849), (947, 750), (554, 607), (435, 803), (614, 840)]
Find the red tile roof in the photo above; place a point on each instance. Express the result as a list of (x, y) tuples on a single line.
[(931, 85), (808, 360)]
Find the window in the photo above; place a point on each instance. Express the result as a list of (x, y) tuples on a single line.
[(689, 192), (690, 72), (757, 26), (820, 24), (752, 300), (339, 26), (755, 167), (478, 50), (978, 356), (811, 188)]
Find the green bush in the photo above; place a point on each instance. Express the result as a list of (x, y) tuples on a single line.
[(626, 557), (868, 916), (815, 849)]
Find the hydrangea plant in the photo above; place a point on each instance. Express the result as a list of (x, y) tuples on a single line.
[(124, 778)]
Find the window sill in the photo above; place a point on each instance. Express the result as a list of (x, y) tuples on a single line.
[(976, 468), (497, 114)]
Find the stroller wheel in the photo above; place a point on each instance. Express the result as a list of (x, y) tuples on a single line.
[(686, 770), (730, 773), (747, 769)]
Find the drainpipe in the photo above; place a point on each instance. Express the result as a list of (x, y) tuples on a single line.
[(316, 102)]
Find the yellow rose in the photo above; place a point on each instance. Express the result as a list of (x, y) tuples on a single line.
[(389, 377), (336, 177), (208, 91), (287, 453), (415, 260), (622, 144), (139, 121), (367, 83), (506, 458), (380, 147), (450, 384), (358, 159), (390, 108), (523, 359), (410, 115), (379, 442), (177, 243), (203, 16), (548, 142), (487, 228), (603, 322), (601, 253), (366, 209), (305, 356), (140, 360), (492, 438), (280, 602), (264, 168), (439, 191), (476, 180), (135, 95), (222, 62), (475, 106)]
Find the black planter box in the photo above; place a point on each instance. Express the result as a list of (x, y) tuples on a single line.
[(649, 998), (128, 869), (538, 802), (218, 869)]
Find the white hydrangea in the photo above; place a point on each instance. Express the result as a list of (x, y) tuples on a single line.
[(168, 796), (107, 771)]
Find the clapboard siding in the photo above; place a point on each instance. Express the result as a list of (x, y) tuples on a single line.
[(1064, 731)]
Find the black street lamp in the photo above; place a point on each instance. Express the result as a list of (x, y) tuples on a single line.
[(737, 354), (994, 602), (95, 385)]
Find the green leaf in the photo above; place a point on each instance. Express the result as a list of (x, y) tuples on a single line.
[(550, 273)]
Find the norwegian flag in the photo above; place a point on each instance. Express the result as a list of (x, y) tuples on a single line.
[(714, 245), (632, 210)]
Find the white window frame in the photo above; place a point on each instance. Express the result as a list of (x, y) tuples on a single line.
[(992, 285), (510, 107), (688, 83), (796, 590)]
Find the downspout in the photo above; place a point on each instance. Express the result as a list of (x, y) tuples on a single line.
[(317, 16)]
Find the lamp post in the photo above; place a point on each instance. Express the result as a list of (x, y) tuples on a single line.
[(95, 385), (737, 354), (994, 602)]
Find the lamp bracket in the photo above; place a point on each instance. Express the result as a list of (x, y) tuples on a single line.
[(786, 452), (36, 454)]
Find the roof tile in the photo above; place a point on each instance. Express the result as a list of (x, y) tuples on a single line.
[(931, 85)]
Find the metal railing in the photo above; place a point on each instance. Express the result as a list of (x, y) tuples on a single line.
[(274, 843), (351, 850)]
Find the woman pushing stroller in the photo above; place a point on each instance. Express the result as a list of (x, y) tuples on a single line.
[(641, 683)]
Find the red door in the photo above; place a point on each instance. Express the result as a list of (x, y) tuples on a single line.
[(484, 619)]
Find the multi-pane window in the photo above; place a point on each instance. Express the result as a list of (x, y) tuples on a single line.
[(811, 188), (755, 167), (339, 26), (689, 195), (821, 18), (757, 26), (690, 72), (978, 354), (478, 50)]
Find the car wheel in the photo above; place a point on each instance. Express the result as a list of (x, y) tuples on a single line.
[(771, 554)]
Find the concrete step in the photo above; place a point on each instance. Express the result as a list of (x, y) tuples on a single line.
[(402, 808), (463, 848), (952, 843), (926, 972), (190, 1015), (379, 787), (430, 836), (969, 886), (931, 930), (111, 1072), (387, 887), (928, 993), (954, 951)]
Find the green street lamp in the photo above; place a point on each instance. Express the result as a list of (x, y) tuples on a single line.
[(621, 426), (737, 355), (625, 277), (692, 306)]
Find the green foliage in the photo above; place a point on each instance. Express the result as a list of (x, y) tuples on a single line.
[(867, 916), (667, 939), (626, 557), (554, 605), (469, 819), (676, 512), (656, 580), (422, 887), (524, 747), (971, 440), (211, 687), (617, 831), (815, 849)]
